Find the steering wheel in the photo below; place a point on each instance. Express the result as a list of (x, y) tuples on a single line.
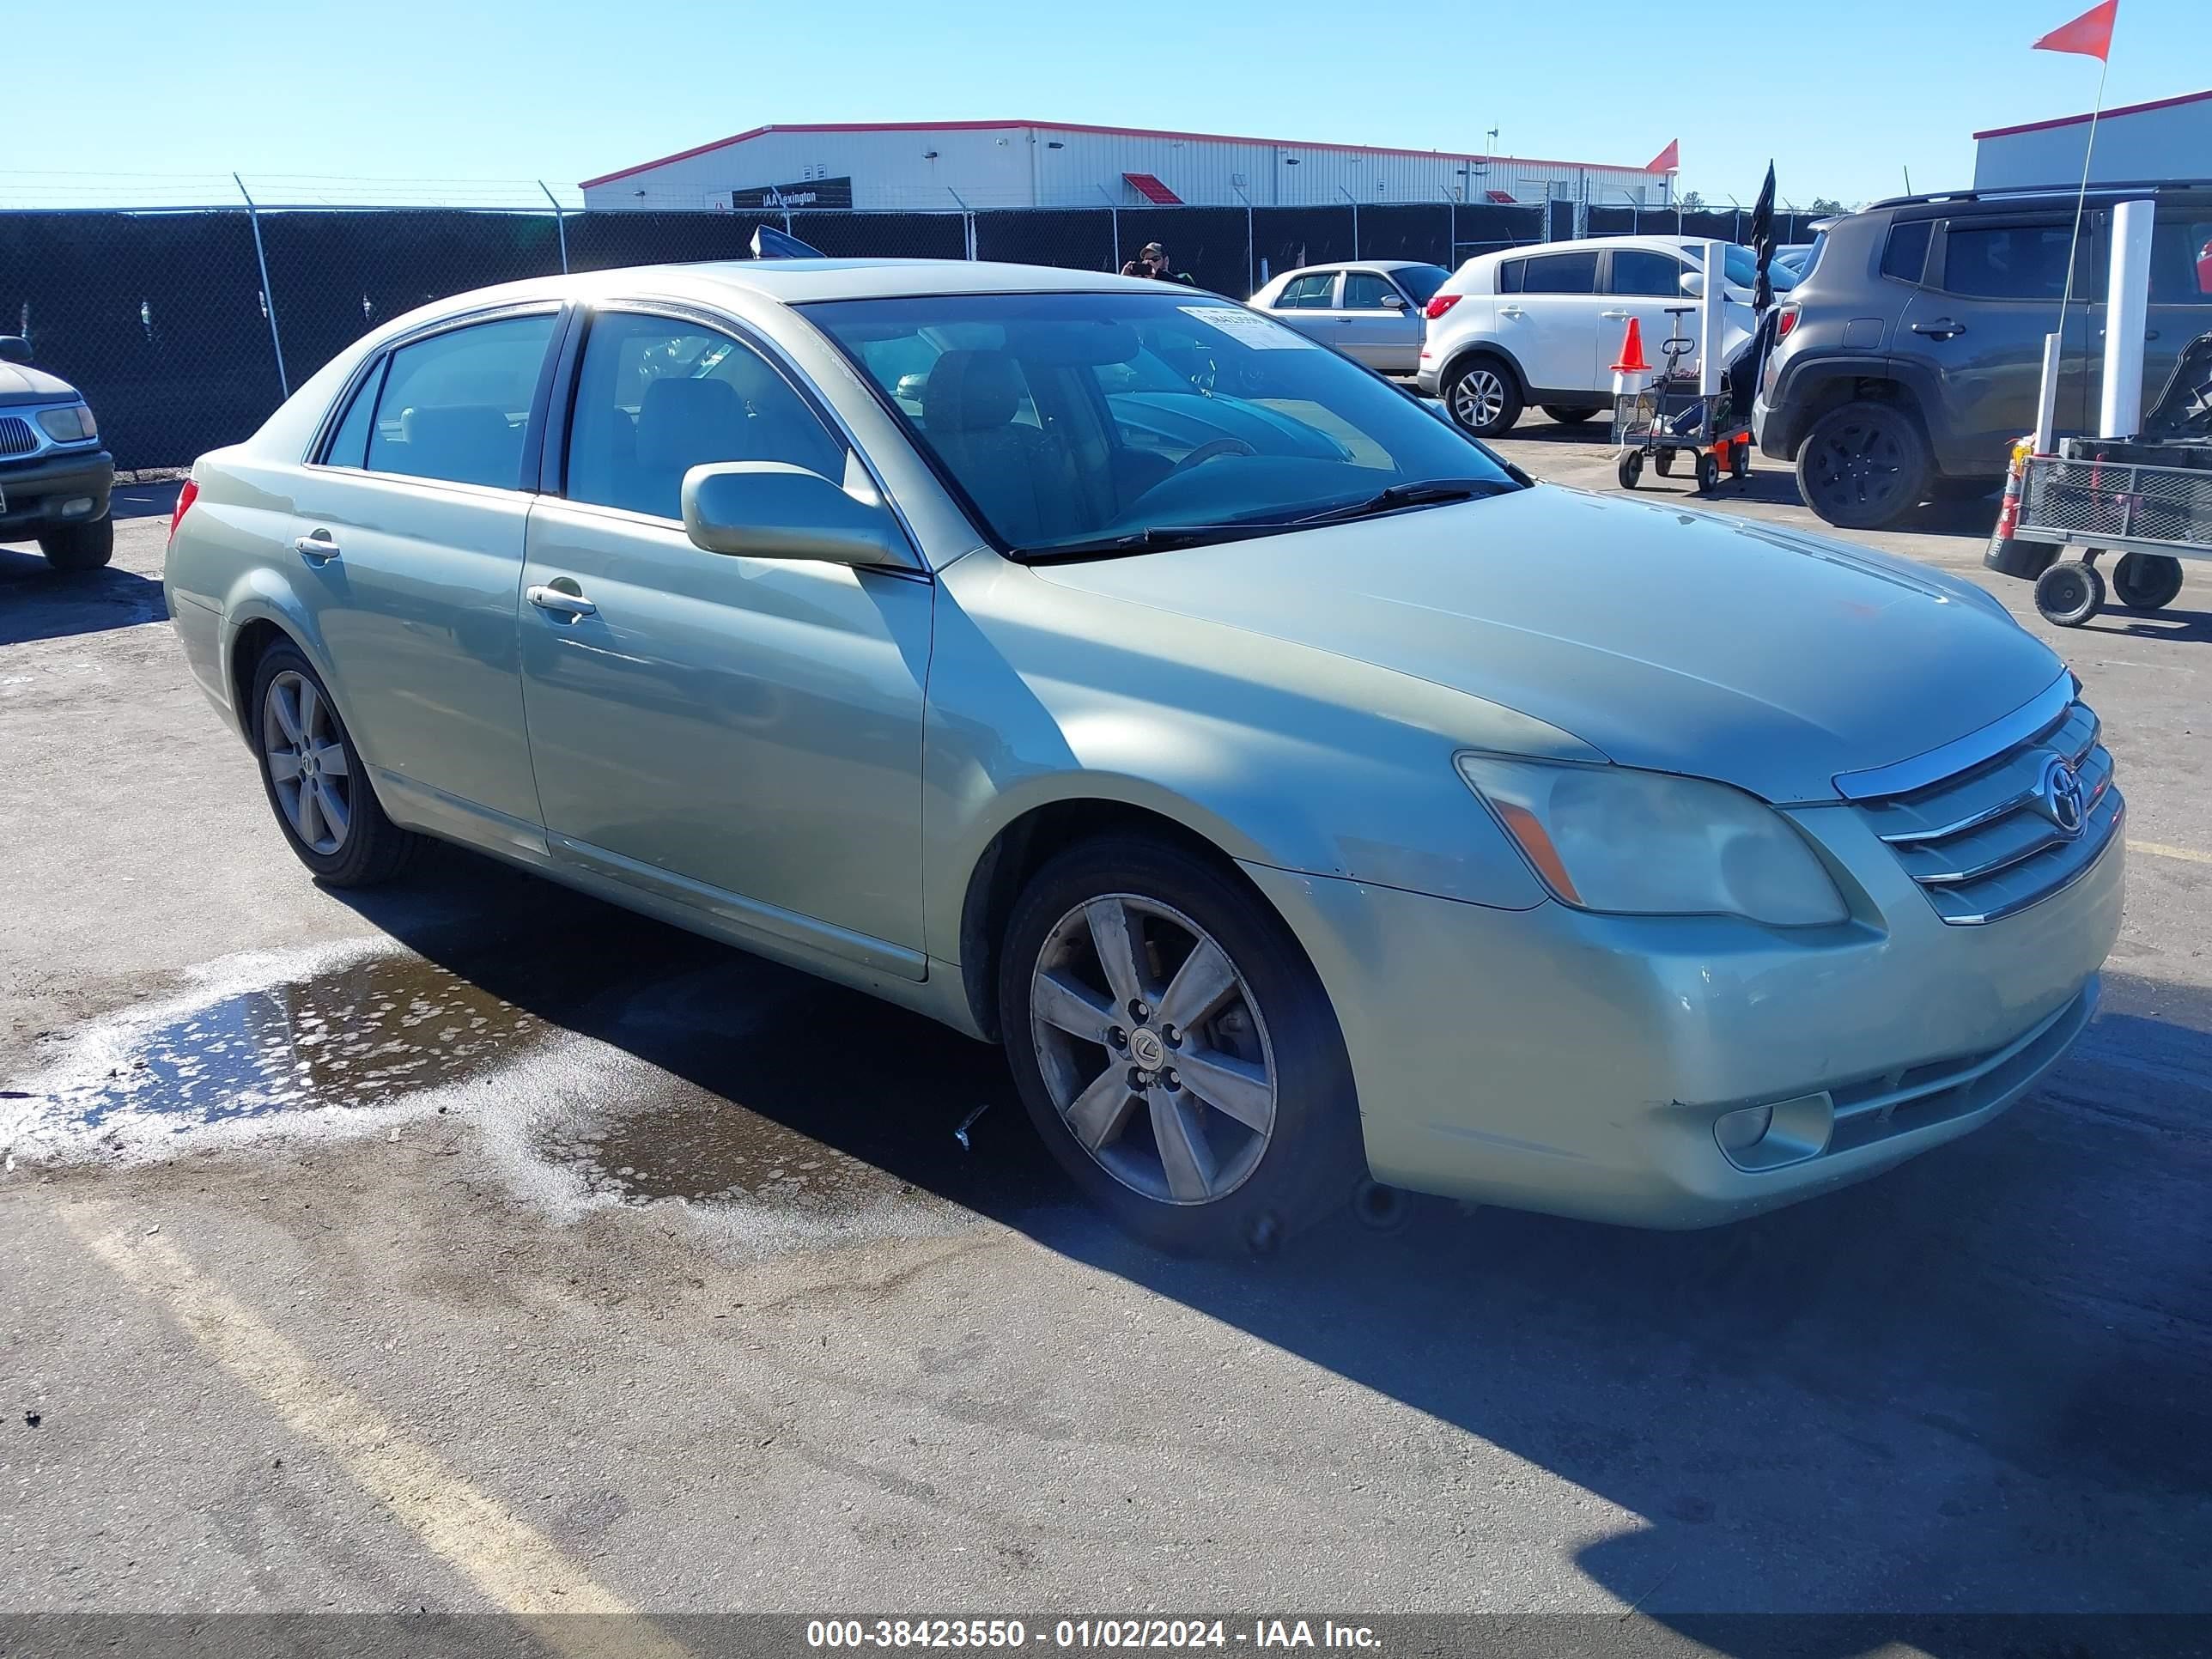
[(1211, 450)]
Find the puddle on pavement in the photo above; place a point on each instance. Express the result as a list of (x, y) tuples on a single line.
[(706, 1150), (356, 1036)]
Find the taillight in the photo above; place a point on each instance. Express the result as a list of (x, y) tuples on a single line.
[(1438, 305), (185, 497), (1785, 320)]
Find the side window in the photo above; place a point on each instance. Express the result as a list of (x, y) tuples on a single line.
[(1314, 291), (1562, 273), (1511, 275), (1364, 290), (348, 445), (658, 396), (2181, 262), (1640, 270), (454, 406), (1905, 255), (2013, 262)]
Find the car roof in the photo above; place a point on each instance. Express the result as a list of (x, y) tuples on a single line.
[(1672, 243), (1355, 264)]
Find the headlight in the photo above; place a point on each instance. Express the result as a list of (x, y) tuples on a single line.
[(1643, 843), (70, 424)]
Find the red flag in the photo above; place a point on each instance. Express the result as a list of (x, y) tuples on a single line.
[(2090, 35), (1669, 159)]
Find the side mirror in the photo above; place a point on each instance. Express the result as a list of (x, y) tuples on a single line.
[(1394, 301), (1693, 284), (15, 349), (771, 510)]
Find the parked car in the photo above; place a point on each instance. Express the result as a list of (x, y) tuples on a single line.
[(1368, 309), (54, 476), (1543, 325), (1792, 257), (1911, 357), (1292, 814)]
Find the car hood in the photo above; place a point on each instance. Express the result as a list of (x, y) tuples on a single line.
[(1668, 639), (20, 384)]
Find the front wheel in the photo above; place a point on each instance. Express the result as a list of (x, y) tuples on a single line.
[(1630, 468), (2067, 595), (1482, 398), (79, 546), (1863, 466), (1176, 1050), (315, 780)]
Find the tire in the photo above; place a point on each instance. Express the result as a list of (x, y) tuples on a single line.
[(1482, 395), (1739, 462), (2146, 581), (1863, 466), (1272, 1022), (1663, 463), (1630, 468), (2067, 595), (1571, 414), (79, 546), (367, 848), (1709, 472)]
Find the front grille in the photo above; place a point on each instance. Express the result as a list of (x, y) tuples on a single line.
[(16, 437), (1993, 838)]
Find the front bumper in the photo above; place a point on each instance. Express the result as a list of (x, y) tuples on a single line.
[(37, 494), (1553, 1060)]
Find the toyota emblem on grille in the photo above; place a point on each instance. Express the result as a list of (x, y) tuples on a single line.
[(2061, 797)]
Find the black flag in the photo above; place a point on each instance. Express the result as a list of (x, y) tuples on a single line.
[(1762, 241), (770, 243)]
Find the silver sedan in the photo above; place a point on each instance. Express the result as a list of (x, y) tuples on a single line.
[(1303, 797), (1368, 309)]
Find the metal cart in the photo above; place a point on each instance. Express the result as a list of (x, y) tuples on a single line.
[(1671, 418), (2152, 516)]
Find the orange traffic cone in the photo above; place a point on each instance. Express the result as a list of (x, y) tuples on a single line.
[(1632, 351)]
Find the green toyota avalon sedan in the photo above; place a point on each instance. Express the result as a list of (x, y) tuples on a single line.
[(1300, 794)]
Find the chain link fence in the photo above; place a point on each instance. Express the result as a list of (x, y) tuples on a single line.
[(185, 328)]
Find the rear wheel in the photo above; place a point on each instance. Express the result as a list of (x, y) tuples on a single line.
[(1571, 414), (79, 546), (1482, 395), (1176, 1050), (2146, 581), (1709, 472), (315, 779), (1863, 466)]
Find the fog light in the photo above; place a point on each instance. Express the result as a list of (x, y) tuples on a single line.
[(1768, 1137), (75, 506)]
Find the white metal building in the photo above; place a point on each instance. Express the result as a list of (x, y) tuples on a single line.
[(950, 164), (2170, 138)]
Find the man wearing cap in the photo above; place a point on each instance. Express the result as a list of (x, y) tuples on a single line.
[(1152, 262)]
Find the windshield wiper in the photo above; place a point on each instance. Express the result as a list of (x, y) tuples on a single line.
[(1429, 492), (1153, 539)]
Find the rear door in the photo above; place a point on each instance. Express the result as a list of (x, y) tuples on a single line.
[(1382, 327), (1308, 304), (407, 543), (1991, 292), (1549, 320), (1645, 284)]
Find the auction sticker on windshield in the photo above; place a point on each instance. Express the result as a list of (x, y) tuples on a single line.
[(1253, 330)]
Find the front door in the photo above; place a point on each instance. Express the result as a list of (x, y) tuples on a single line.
[(408, 535), (1381, 327), (1308, 304), (743, 735), (1645, 284), (1549, 320)]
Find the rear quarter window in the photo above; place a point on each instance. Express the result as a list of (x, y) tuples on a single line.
[(1905, 255)]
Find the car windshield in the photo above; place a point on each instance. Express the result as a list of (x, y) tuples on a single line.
[(1422, 282), (1079, 424)]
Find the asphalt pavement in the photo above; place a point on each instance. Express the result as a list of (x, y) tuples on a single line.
[(471, 1247)]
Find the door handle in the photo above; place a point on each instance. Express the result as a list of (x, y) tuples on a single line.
[(320, 548), (571, 605), (1511, 311), (1613, 316), (1941, 329)]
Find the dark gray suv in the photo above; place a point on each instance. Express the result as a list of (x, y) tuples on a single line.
[(1911, 352)]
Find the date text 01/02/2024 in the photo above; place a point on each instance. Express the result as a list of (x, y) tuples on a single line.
[(1080, 1634)]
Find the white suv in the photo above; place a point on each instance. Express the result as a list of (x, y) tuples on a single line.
[(1543, 325)]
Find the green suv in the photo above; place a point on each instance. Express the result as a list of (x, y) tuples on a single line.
[(1911, 354), (54, 476)]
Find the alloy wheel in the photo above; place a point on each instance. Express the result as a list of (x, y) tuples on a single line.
[(1477, 398), (1153, 1049), (306, 755), (1860, 466)]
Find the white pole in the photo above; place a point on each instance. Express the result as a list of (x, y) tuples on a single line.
[(561, 225), (2127, 313), (267, 298), (1712, 308), (2046, 410)]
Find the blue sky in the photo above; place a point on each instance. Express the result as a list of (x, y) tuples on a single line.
[(1858, 89)]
